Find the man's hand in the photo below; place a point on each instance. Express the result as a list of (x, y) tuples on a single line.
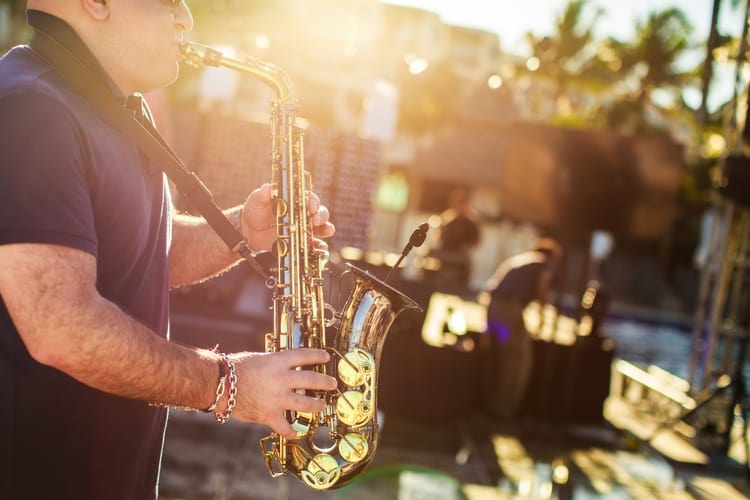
[(266, 385), (258, 219)]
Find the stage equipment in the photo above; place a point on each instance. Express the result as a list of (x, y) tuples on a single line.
[(449, 317), (321, 458), (415, 240), (735, 181), (723, 283), (432, 362), (721, 315)]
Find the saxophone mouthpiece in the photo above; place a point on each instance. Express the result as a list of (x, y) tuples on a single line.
[(197, 55)]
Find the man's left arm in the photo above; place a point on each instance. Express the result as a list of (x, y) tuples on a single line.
[(198, 253)]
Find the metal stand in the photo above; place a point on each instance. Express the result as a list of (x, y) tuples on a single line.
[(722, 279), (739, 401), (724, 287), (739, 405)]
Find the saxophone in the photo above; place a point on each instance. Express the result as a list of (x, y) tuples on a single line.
[(333, 446)]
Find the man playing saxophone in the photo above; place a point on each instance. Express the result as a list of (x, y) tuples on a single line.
[(89, 249)]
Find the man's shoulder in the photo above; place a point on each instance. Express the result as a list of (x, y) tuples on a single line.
[(23, 73), (526, 260), (33, 93), (20, 69)]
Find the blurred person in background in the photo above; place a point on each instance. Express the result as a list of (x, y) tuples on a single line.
[(518, 281), (458, 235)]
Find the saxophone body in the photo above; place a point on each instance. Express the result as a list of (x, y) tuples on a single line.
[(335, 445)]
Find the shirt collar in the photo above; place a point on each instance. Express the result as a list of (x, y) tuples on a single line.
[(66, 36)]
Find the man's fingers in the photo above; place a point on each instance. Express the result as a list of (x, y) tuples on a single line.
[(299, 403), (306, 356), (325, 230), (313, 203), (306, 404), (282, 427), (320, 216), (308, 379), (261, 197)]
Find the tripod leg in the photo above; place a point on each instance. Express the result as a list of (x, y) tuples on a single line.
[(730, 419), (746, 439)]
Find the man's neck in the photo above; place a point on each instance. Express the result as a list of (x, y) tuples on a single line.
[(64, 34)]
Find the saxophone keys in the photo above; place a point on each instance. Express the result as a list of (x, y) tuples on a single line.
[(322, 472), (279, 206), (302, 424), (330, 313), (353, 447), (355, 366), (272, 455), (280, 247), (353, 408)]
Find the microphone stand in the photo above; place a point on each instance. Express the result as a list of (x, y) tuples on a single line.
[(415, 240)]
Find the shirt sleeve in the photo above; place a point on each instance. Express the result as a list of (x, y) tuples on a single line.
[(44, 193)]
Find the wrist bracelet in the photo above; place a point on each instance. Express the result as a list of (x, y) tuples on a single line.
[(219, 391), (230, 375)]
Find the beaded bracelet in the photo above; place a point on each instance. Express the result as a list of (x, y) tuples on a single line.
[(230, 374)]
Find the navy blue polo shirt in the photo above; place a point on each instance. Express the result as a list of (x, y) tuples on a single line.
[(68, 178)]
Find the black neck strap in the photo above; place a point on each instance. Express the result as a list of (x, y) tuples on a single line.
[(148, 140)]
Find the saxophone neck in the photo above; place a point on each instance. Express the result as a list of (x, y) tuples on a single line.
[(199, 56)]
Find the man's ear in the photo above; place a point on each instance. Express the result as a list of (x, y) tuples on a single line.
[(97, 9)]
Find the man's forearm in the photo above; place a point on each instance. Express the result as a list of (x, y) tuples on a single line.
[(65, 323), (197, 252), (107, 349)]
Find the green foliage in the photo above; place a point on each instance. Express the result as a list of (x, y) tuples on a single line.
[(564, 57), (636, 84), (624, 74)]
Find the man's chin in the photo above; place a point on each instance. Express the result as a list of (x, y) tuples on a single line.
[(166, 79)]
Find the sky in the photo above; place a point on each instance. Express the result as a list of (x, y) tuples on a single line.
[(512, 19)]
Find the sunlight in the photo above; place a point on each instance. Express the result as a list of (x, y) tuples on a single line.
[(415, 63), (495, 82), (262, 41)]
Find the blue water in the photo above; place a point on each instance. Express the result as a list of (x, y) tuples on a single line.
[(665, 346)]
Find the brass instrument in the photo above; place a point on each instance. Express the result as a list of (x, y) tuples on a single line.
[(333, 446)]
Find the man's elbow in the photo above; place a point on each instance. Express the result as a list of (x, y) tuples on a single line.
[(46, 350)]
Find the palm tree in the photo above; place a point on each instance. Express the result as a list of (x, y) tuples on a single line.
[(649, 68), (715, 41), (565, 61)]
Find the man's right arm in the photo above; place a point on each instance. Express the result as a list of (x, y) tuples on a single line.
[(50, 293)]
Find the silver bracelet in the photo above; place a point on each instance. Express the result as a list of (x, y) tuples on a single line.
[(219, 391), (230, 373)]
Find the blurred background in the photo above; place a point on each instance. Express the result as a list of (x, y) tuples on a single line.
[(573, 131), (588, 121)]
